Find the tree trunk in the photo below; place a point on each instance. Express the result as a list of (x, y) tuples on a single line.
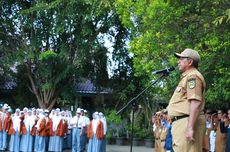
[(46, 99)]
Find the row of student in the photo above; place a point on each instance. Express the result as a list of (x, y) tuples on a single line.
[(217, 134), (216, 137), (162, 132), (39, 130)]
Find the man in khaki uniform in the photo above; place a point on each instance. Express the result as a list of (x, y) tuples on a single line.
[(186, 105), (206, 143), (220, 141)]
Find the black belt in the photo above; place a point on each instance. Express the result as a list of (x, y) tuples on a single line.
[(175, 118)]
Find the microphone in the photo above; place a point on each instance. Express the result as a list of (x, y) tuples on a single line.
[(164, 71)]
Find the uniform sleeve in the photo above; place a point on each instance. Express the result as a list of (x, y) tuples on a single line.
[(194, 88)]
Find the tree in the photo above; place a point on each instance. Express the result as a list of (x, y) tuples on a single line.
[(159, 28), (54, 42)]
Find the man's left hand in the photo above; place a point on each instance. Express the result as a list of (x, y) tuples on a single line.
[(189, 134)]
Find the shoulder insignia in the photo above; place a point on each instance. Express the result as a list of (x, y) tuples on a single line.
[(191, 83)]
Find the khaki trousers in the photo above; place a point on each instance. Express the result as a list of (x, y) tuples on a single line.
[(180, 143), (160, 146)]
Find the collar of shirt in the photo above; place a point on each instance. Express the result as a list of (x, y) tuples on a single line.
[(187, 72)]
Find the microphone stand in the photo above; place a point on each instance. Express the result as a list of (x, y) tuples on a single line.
[(132, 101)]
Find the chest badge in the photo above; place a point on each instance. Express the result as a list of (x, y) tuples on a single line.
[(191, 83)]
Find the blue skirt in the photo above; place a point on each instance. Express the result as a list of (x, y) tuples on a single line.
[(26, 142), (3, 140), (40, 144), (94, 144), (55, 143), (15, 142)]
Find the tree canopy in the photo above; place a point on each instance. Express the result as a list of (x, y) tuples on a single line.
[(52, 43), (159, 28)]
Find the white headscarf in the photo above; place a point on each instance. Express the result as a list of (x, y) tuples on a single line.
[(95, 122), (16, 120), (27, 120), (56, 119), (51, 115)]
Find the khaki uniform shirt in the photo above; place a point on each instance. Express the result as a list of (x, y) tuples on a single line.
[(191, 87), (220, 142)]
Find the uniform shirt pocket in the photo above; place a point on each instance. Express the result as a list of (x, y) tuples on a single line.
[(181, 92)]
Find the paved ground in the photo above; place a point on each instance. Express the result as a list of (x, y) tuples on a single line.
[(125, 148)]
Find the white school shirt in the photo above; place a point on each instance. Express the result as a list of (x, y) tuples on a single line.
[(81, 122), (74, 121)]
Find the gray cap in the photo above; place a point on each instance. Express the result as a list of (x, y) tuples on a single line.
[(10, 110), (189, 53), (78, 110), (5, 106), (17, 110), (46, 111)]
